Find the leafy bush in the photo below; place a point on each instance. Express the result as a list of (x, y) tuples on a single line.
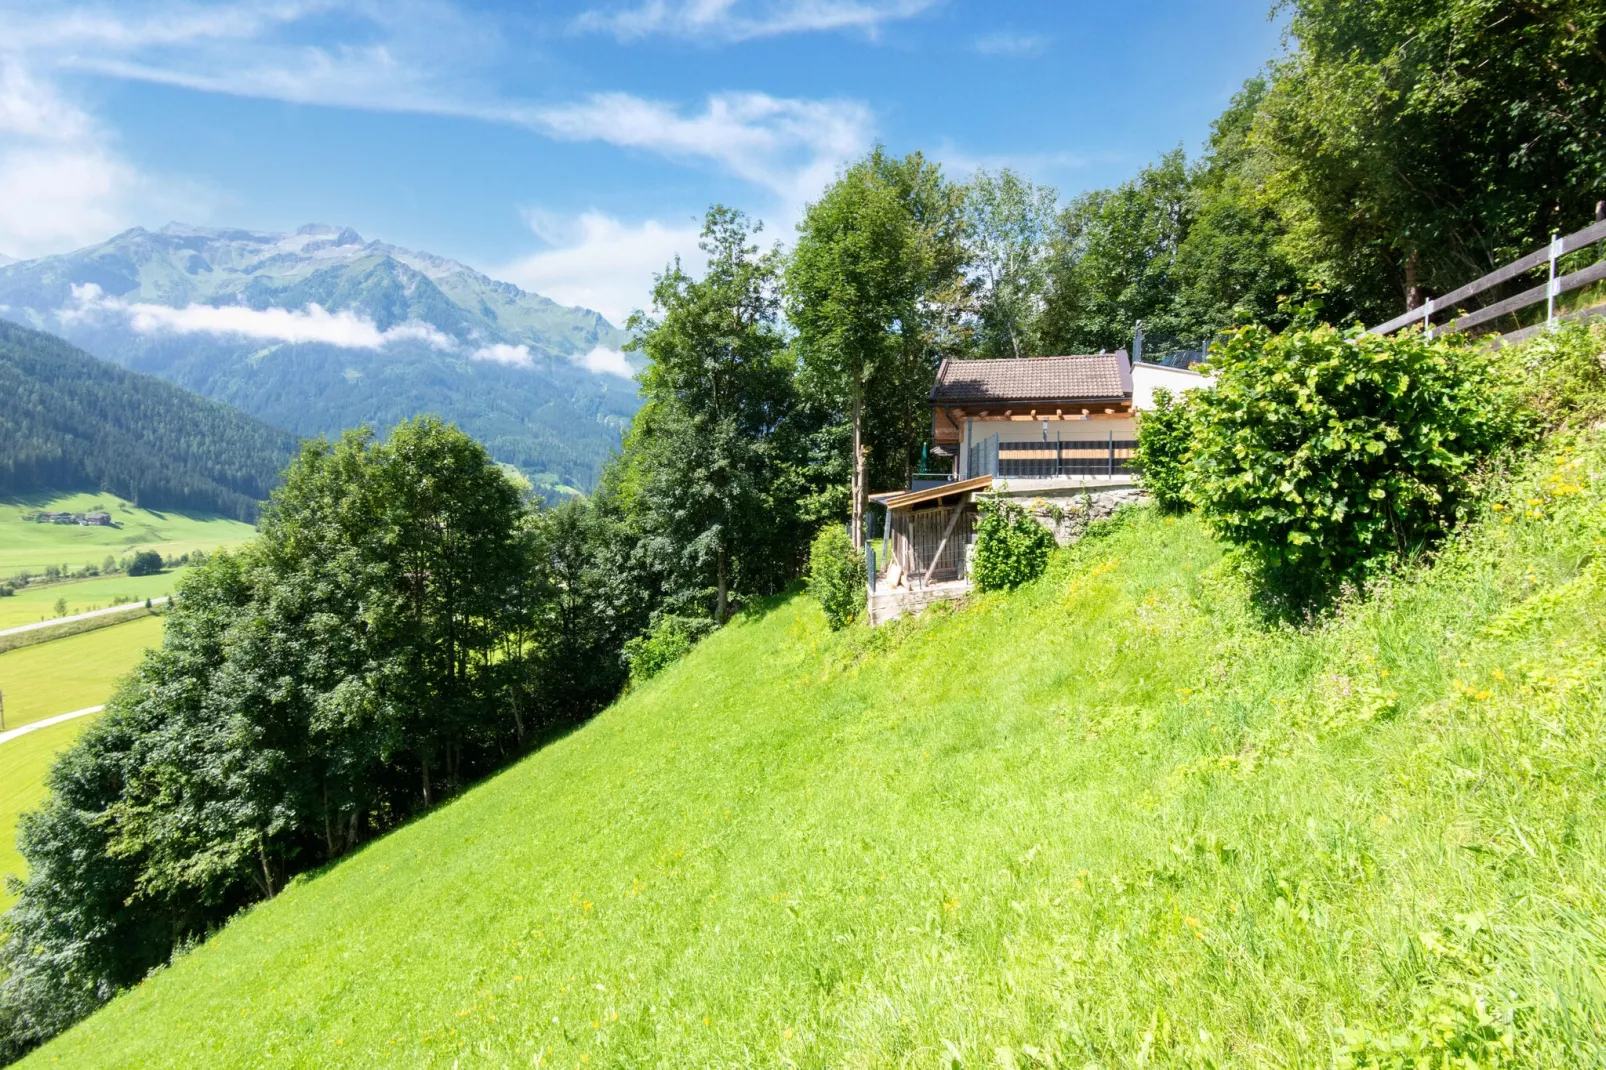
[(1011, 547), (668, 640), (1164, 437), (836, 576), (145, 563), (1320, 451)]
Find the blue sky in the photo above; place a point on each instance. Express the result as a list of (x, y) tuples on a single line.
[(572, 147)]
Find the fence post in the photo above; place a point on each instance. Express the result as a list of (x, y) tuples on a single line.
[(1427, 317), (1551, 290), (869, 564), (1112, 453)]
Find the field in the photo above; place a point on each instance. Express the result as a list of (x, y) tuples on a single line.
[(25, 545), (37, 602), (1115, 818), (41, 681), (23, 764), (69, 674)]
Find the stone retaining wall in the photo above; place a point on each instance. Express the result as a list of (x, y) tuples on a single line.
[(1068, 512)]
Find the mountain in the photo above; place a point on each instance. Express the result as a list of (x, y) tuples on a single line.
[(321, 330), (69, 421), (4, 260)]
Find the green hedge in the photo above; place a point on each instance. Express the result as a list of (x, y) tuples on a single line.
[(836, 576)]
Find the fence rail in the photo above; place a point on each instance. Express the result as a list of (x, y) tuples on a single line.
[(1548, 290)]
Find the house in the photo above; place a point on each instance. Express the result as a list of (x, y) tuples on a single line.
[(103, 520), (1057, 433)]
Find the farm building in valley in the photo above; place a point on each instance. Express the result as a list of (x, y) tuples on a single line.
[(1059, 433)]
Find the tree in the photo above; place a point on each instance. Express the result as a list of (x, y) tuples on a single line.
[(876, 258), (1113, 263), (715, 389), (1008, 221), (1420, 143), (145, 563)]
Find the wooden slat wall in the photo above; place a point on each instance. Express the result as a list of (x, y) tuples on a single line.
[(915, 535)]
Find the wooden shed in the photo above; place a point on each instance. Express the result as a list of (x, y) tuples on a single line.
[(930, 532)]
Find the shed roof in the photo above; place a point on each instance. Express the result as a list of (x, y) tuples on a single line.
[(907, 498), (1090, 377)]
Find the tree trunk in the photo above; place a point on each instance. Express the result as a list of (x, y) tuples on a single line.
[(262, 854), (856, 525), (426, 783), (722, 604), (1413, 292)]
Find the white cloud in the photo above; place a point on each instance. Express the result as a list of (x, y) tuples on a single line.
[(606, 361), (62, 184), (601, 263), (345, 329), (1012, 44), (727, 21), (789, 146), (502, 353)]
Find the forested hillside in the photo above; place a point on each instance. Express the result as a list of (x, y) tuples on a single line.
[(69, 421)]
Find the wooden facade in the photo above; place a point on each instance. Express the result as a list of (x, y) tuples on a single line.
[(930, 532)]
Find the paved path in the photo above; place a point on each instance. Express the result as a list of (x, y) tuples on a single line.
[(126, 607), (6, 737)]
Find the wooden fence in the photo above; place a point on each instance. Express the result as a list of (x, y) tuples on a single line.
[(1547, 291)]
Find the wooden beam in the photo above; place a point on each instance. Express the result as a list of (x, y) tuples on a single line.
[(942, 543)]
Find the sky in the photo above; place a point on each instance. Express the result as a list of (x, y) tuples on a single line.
[(572, 148)]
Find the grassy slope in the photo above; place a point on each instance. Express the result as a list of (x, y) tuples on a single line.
[(1109, 818), (37, 602), (32, 546)]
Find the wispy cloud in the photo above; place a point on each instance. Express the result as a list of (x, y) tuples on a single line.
[(730, 21), (1004, 43), (62, 181), (788, 146), (344, 329), (600, 262)]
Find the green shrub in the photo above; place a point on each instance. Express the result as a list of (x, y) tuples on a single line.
[(1562, 373), (145, 563), (1011, 547), (1321, 451), (1164, 438), (668, 640), (836, 576)]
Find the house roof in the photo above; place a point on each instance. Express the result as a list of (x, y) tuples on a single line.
[(1093, 377)]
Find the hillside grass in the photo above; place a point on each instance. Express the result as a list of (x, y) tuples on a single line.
[(23, 764), (1112, 819), (30, 546), (37, 602)]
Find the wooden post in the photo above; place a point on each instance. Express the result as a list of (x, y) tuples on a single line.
[(1112, 453)]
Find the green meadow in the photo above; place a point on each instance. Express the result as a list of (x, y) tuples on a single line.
[(41, 681), (30, 546), (69, 674), (23, 764), (38, 602), (1115, 818)]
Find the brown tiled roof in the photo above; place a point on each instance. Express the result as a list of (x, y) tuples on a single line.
[(1095, 377)]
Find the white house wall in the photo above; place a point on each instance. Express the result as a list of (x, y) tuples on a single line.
[(1146, 378)]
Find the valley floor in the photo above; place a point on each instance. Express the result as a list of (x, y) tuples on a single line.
[(1112, 819)]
